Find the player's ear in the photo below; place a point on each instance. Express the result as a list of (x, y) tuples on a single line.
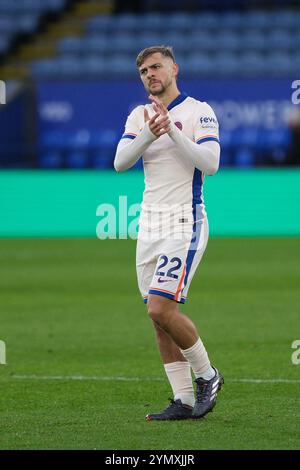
[(175, 69)]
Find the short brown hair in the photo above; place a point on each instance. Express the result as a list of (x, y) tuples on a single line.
[(166, 51)]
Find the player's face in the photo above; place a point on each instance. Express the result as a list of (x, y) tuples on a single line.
[(158, 73)]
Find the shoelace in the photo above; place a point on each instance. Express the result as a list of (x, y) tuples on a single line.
[(202, 392), (172, 403)]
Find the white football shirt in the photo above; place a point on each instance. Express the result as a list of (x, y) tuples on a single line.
[(171, 181)]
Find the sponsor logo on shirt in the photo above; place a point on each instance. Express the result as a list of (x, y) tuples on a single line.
[(207, 121)]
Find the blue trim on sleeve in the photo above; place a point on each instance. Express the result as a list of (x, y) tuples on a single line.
[(128, 136), (206, 139)]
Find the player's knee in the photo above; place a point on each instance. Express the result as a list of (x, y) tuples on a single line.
[(159, 309), (156, 314)]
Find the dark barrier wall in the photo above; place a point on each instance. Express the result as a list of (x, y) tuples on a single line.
[(12, 131), (105, 104), (80, 122)]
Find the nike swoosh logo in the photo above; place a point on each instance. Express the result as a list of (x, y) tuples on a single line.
[(162, 280)]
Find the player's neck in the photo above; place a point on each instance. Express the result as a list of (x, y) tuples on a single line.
[(169, 96)]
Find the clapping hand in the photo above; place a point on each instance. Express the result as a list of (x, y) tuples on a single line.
[(160, 123)]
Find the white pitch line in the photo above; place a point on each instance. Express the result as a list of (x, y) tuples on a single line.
[(89, 377), (143, 379), (267, 381)]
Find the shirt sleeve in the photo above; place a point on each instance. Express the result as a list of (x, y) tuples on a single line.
[(132, 128), (133, 143), (206, 126), (205, 157)]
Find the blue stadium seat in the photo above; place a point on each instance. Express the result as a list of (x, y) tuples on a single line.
[(232, 20), (203, 42), (127, 22), (4, 43), (7, 24), (93, 66), (206, 21), (280, 39), (27, 23), (123, 43), (69, 67), (102, 23), (95, 43), (120, 67), (286, 18), (253, 40), (153, 22), (200, 65), (23, 23), (296, 60), (55, 5), (179, 41), (203, 49), (279, 64), (89, 44), (66, 67), (30, 6), (71, 45), (150, 39), (226, 64), (45, 68), (256, 20), (296, 48), (228, 41), (180, 22), (252, 64)]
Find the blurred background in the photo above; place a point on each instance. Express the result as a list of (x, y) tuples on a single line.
[(68, 67)]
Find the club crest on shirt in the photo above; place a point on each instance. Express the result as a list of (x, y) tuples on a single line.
[(179, 125)]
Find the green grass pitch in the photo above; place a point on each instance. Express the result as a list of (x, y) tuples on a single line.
[(83, 368)]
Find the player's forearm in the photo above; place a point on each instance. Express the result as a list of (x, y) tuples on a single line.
[(128, 152), (205, 156)]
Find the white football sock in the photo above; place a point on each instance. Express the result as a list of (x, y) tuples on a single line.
[(197, 356), (180, 378)]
